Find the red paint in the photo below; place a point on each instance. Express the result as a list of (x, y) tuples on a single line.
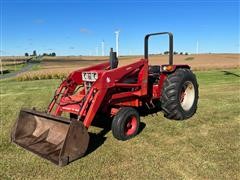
[(124, 86), (130, 126)]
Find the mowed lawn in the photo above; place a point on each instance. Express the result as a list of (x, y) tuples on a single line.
[(207, 146)]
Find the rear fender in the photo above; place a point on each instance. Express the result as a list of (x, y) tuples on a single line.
[(164, 75), (166, 68)]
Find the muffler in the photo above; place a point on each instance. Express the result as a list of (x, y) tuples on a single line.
[(54, 138)]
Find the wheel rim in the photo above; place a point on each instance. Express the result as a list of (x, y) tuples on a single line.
[(130, 126), (187, 95)]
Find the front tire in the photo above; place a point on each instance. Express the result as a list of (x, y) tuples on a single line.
[(125, 124), (180, 95)]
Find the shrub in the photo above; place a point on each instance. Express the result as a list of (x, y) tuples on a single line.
[(39, 76)]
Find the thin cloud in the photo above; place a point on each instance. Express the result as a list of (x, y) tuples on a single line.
[(39, 21), (71, 47), (84, 30)]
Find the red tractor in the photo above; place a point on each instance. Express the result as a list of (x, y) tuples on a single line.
[(117, 92)]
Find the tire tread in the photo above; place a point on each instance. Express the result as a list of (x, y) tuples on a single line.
[(169, 99)]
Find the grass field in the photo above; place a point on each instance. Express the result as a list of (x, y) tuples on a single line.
[(14, 67), (207, 146)]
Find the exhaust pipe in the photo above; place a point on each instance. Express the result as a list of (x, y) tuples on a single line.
[(54, 138)]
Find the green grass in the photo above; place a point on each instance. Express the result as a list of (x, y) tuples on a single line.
[(36, 67), (207, 146), (14, 67)]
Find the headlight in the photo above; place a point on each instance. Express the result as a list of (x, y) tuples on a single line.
[(89, 76)]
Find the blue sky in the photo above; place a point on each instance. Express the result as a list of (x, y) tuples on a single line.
[(78, 27)]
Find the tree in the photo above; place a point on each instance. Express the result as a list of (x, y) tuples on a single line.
[(175, 52), (26, 54), (186, 53), (53, 54), (181, 53), (166, 52), (34, 53)]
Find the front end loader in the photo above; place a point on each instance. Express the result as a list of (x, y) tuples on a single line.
[(116, 92)]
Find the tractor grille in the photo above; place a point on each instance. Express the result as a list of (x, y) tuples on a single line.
[(88, 86), (89, 78)]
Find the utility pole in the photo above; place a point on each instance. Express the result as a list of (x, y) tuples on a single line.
[(117, 42)]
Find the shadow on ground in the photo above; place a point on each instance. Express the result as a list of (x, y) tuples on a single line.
[(98, 139), (230, 73)]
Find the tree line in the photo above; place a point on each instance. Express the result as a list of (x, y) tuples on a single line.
[(44, 54), (175, 53)]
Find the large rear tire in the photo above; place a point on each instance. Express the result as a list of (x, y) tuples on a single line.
[(125, 124), (180, 95)]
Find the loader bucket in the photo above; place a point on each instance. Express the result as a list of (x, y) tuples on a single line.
[(54, 138)]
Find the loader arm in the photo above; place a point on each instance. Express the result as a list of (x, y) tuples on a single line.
[(109, 80), (90, 103), (68, 86), (58, 139)]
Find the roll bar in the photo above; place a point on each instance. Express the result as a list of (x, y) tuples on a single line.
[(170, 45)]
